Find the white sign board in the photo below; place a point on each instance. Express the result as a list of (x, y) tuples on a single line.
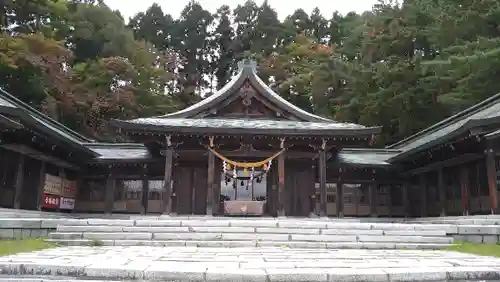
[(53, 185), (67, 204)]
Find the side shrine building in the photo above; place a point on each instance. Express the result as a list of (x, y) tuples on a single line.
[(245, 151)]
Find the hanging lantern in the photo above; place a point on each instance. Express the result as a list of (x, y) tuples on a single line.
[(224, 167), (242, 183)]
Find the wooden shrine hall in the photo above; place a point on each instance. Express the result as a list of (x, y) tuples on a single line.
[(234, 130), (246, 151)]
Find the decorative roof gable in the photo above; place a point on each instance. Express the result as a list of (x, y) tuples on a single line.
[(244, 89)]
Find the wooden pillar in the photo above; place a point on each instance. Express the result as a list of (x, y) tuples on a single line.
[(441, 192), (19, 182), (372, 191), (314, 212), (79, 186), (145, 190), (390, 200), (406, 198), (423, 195), (340, 199), (217, 188), (356, 200), (323, 204), (491, 171), (211, 202), (62, 176), (281, 181), (464, 189), (41, 186), (109, 200), (312, 192), (167, 184)]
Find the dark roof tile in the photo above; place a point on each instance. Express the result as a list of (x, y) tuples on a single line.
[(327, 128)]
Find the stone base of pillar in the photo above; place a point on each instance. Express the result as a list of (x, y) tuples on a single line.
[(313, 215), (443, 213), (209, 211), (281, 213), (373, 215), (340, 215)]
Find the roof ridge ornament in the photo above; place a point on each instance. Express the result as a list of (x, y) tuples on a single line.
[(247, 65)]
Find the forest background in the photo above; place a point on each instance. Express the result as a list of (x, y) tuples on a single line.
[(403, 66)]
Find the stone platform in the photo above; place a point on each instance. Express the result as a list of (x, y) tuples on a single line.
[(250, 264)]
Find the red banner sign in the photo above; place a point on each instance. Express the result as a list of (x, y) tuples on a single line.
[(50, 201)]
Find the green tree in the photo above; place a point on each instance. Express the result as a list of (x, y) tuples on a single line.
[(223, 44)]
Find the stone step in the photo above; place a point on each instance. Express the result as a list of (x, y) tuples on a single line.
[(51, 279), (248, 237), (253, 244), (250, 264), (259, 230), (262, 223)]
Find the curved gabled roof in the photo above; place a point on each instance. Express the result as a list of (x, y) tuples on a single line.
[(15, 107), (247, 72), (487, 111)]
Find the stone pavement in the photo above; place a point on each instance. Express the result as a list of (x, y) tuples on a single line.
[(250, 264)]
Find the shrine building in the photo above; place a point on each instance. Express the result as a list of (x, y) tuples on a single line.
[(246, 151)]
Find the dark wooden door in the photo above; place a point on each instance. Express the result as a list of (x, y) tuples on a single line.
[(184, 189), (271, 185), (304, 190), (200, 184)]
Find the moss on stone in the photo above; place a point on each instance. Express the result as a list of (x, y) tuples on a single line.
[(492, 250), (8, 247)]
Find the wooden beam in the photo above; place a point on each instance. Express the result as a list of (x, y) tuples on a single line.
[(447, 163), (196, 153), (25, 150)]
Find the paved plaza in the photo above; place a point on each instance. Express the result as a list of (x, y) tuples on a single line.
[(251, 264)]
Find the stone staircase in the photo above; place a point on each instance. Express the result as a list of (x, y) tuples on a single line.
[(303, 233)]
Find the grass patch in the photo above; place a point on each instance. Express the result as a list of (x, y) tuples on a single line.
[(492, 250), (9, 247)]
